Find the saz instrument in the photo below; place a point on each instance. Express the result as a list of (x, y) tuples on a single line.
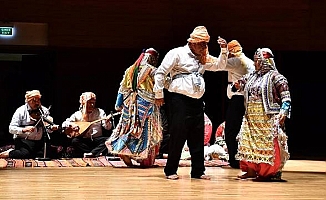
[(83, 126)]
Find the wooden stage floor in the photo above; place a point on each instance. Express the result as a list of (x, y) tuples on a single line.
[(305, 180)]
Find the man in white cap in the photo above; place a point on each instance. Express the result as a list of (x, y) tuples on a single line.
[(89, 142), (185, 67), (27, 128)]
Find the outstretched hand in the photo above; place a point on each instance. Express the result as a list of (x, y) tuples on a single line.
[(222, 42)]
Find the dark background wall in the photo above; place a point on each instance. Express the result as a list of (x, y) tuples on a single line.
[(91, 43)]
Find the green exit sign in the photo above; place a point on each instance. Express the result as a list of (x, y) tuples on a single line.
[(5, 30)]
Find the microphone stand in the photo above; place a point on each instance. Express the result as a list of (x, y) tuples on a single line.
[(112, 119), (46, 136)]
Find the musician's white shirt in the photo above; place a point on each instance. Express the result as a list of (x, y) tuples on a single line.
[(21, 119), (95, 130)]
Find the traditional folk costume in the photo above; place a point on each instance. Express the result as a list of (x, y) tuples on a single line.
[(139, 132), (262, 139)]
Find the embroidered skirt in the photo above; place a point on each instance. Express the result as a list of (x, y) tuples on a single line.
[(261, 139)]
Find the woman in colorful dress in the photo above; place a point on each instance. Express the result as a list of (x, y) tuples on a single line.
[(262, 141), (139, 132)]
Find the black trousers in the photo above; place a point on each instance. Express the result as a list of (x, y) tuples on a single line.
[(87, 145), (233, 121), (29, 149), (164, 146), (186, 123)]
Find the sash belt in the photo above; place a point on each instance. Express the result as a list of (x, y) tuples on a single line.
[(184, 74)]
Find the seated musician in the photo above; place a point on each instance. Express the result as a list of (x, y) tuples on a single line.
[(27, 128), (91, 142)]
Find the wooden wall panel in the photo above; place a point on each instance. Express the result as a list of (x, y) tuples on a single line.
[(283, 25), (317, 28)]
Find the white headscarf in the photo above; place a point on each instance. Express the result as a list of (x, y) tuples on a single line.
[(84, 97)]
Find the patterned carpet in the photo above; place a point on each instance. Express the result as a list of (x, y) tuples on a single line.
[(92, 162), (73, 162)]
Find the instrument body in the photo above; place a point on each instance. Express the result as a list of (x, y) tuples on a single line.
[(37, 116), (39, 121), (82, 126)]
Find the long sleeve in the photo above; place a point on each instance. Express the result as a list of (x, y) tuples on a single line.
[(169, 61), (72, 118), (185, 72), (15, 126), (219, 63), (21, 119)]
